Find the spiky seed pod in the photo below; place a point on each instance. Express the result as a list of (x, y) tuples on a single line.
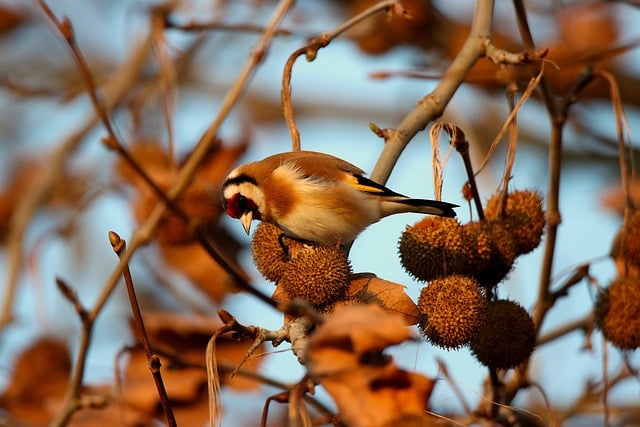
[(626, 248), (507, 338), (434, 247), (495, 252), (523, 216), (318, 274), (617, 313), (271, 251), (453, 309)]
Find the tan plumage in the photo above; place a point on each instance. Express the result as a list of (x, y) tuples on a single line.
[(315, 197)]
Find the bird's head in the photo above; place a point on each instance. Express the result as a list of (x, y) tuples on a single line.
[(242, 199)]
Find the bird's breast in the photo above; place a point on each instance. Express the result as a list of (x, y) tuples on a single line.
[(325, 212)]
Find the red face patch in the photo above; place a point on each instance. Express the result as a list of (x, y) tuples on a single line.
[(238, 205)]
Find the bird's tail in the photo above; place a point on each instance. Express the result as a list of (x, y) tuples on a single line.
[(431, 207)]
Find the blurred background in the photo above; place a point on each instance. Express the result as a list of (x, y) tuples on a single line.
[(62, 189)]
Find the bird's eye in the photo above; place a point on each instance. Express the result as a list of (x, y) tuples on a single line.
[(237, 205), (243, 204)]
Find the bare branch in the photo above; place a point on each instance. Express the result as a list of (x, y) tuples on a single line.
[(433, 104)]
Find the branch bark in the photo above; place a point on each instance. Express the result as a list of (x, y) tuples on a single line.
[(433, 104)]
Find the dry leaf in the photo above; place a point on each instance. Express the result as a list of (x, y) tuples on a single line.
[(114, 414), (181, 341), (151, 156), (10, 19), (68, 188), (219, 162), (409, 22), (188, 335), (614, 199), (200, 201), (345, 356), (367, 288), (39, 381), (197, 265), (184, 385), (588, 27)]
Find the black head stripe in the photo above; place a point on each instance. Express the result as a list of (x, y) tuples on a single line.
[(240, 179)]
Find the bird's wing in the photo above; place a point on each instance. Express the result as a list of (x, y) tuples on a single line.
[(326, 166), (320, 165), (369, 186)]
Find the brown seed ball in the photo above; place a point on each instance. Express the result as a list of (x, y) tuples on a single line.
[(617, 313), (523, 216), (495, 251), (453, 310), (507, 338), (318, 274), (269, 256), (435, 247), (626, 249)]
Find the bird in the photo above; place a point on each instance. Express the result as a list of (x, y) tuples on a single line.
[(315, 197)]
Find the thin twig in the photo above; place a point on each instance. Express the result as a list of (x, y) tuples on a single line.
[(459, 141), (584, 324), (622, 130), (127, 76), (153, 361), (237, 27), (557, 114), (533, 84), (511, 148), (442, 366), (502, 57), (606, 386), (144, 233), (66, 31), (167, 73), (311, 51), (581, 272), (73, 396), (497, 387), (544, 301)]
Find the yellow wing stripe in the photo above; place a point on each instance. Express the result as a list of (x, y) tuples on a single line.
[(368, 186)]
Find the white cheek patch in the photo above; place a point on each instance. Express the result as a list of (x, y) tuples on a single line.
[(229, 191), (248, 190)]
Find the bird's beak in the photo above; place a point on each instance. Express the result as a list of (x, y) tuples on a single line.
[(246, 219)]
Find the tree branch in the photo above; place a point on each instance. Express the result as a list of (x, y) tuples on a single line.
[(432, 105)]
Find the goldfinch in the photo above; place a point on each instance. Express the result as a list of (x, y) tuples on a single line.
[(315, 197)]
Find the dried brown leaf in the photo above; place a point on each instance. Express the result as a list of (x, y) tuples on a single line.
[(198, 266), (614, 198), (184, 384), (10, 19), (40, 377), (114, 414), (345, 356), (67, 189), (200, 201), (368, 289), (358, 329), (152, 157), (217, 165), (188, 335)]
